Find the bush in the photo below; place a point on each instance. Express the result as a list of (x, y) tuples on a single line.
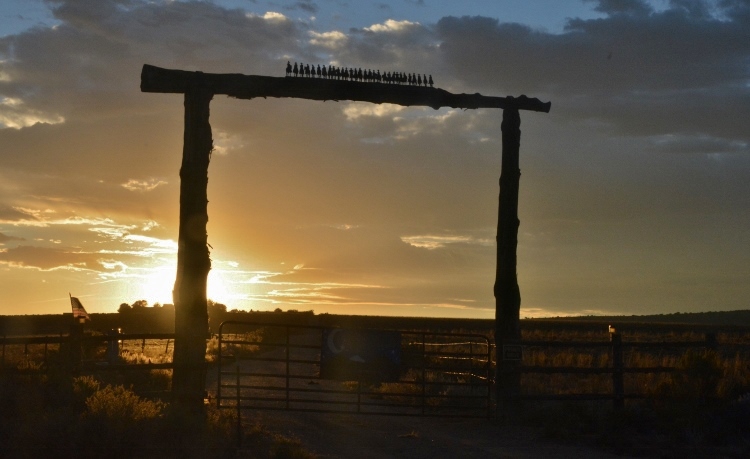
[(121, 406), (116, 420)]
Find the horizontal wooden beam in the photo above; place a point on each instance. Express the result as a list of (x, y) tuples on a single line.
[(156, 79)]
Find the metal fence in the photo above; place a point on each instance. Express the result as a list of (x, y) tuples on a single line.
[(613, 365), (86, 353), (284, 367), (278, 367)]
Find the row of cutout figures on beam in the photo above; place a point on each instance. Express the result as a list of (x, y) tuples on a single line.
[(336, 73)]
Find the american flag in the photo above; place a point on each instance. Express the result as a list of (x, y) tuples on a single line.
[(78, 310)]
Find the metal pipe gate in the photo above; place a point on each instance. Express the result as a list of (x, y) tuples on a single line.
[(286, 367)]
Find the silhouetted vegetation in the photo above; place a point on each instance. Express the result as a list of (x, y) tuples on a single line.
[(704, 406), (55, 416)]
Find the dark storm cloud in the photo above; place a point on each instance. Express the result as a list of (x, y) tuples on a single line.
[(637, 7), (307, 6), (685, 70), (91, 62)]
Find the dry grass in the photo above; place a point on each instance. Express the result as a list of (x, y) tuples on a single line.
[(723, 373)]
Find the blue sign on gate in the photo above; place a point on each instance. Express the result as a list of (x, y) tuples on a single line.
[(360, 355)]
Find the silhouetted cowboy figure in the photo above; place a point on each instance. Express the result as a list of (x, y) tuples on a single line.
[(431, 82), (296, 70), (288, 69)]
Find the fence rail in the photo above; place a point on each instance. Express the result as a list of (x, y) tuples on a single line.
[(73, 356), (616, 367), (453, 356), (286, 372)]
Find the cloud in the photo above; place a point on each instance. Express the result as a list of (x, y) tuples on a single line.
[(686, 73), (143, 185), (6, 238), (41, 218), (271, 16), (611, 7), (12, 214), (697, 144), (332, 40), (99, 47), (404, 46), (46, 259), (355, 110), (431, 242), (307, 6), (391, 26), (14, 114)]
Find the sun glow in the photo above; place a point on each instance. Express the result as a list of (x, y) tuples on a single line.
[(157, 285)]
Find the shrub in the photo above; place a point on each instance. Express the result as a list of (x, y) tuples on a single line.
[(116, 420), (83, 388), (122, 405)]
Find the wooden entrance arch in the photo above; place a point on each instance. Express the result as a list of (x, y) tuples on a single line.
[(193, 262)]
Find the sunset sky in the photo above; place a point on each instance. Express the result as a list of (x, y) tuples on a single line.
[(635, 188)]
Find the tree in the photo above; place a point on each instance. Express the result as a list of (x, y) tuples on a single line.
[(215, 308), (124, 308)]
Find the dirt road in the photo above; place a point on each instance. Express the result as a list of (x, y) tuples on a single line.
[(345, 436)]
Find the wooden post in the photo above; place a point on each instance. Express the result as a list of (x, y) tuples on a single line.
[(711, 342), (75, 351), (193, 262), (618, 382), (507, 292), (239, 407)]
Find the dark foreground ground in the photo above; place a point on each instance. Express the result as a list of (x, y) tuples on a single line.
[(374, 437), (344, 436)]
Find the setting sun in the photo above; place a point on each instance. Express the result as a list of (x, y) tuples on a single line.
[(156, 286)]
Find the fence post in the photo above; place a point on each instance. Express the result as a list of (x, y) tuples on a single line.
[(113, 346), (75, 340), (239, 408), (287, 365), (424, 372), (711, 343), (618, 383)]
